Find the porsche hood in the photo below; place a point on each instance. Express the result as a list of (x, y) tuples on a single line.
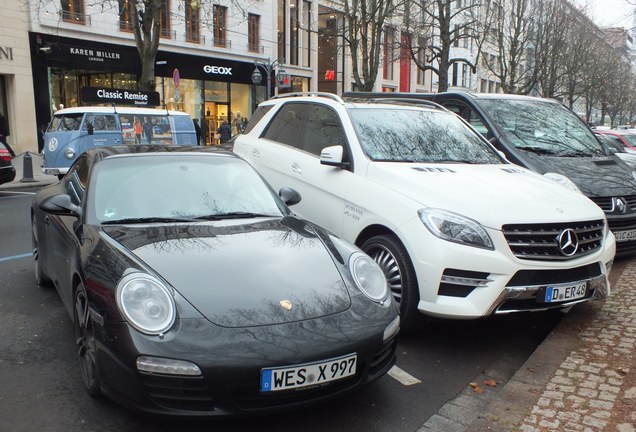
[(239, 275)]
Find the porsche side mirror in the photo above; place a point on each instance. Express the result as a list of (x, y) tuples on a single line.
[(61, 205), (289, 196)]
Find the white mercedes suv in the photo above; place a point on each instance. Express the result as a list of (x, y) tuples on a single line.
[(459, 231)]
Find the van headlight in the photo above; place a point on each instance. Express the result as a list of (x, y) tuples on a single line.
[(69, 153), (562, 180), (146, 303), (368, 276), (455, 228)]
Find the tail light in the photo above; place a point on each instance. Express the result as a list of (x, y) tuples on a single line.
[(5, 155)]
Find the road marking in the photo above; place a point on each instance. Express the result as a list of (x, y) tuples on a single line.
[(24, 255), (402, 377)]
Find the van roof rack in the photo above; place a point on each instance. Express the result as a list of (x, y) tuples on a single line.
[(304, 94)]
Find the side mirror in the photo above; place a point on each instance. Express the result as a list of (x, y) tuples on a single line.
[(289, 196), (332, 156), (60, 205), (90, 128)]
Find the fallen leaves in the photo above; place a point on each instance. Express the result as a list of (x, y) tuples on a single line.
[(478, 389)]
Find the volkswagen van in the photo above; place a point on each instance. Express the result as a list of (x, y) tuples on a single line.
[(72, 131)]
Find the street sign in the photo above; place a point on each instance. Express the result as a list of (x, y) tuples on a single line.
[(175, 77)]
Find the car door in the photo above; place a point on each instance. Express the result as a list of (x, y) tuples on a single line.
[(63, 231), (288, 154)]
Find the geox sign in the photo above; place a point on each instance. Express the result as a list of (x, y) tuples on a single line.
[(217, 70)]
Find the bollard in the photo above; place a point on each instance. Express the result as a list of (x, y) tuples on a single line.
[(27, 169)]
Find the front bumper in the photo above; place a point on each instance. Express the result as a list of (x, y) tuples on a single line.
[(462, 282)]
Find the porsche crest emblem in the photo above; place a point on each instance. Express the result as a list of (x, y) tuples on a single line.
[(286, 304)]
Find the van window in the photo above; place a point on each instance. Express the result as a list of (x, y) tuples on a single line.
[(66, 122), (155, 129), (100, 122)]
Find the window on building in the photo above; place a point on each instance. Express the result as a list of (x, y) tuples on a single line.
[(73, 11), (455, 74), (282, 34), (491, 86), (483, 87), (293, 33), (164, 19), (389, 47), (125, 18), (464, 75), (456, 35), (193, 22), (306, 34), (220, 23), (253, 33)]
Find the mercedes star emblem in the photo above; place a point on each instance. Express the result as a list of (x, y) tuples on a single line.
[(568, 242)]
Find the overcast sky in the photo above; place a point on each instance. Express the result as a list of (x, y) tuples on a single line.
[(609, 13)]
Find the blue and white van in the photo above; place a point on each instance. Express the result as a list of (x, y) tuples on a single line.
[(72, 131)]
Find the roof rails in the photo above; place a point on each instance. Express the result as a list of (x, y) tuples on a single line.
[(395, 98), (303, 94)]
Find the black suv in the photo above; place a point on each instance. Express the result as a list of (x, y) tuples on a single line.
[(545, 136)]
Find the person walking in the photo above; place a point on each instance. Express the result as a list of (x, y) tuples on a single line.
[(225, 132), (137, 129), (4, 133)]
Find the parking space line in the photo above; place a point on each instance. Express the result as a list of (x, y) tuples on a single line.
[(402, 377), (24, 255)]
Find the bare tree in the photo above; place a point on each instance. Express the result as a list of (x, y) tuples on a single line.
[(442, 24)]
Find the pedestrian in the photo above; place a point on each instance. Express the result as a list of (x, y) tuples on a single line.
[(238, 122), (41, 133), (197, 129), (4, 133), (147, 127), (137, 129), (225, 132)]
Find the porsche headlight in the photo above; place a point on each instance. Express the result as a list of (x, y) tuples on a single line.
[(368, 276), (146, 303), (562, 180), (455, 228)]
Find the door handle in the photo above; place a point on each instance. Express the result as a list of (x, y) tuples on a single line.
[(296, 168), (256, 153), (47, 219)]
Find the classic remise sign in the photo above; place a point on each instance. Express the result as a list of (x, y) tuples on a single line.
[(119, 96)]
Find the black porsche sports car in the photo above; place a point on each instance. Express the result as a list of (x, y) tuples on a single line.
[(194, 290)]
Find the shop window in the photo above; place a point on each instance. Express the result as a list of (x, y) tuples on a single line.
[(192, 23), (73, 11), (220, 17), (253, 32)]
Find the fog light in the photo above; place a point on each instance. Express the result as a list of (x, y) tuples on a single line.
[(392, 329), (167, 366), (69, 153)]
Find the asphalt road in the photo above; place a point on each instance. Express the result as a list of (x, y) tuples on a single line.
[(40, 388)]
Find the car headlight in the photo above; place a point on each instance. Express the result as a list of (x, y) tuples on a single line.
[(69, 153), (562, 180), (455, 228), (146, 303), (368, 276)]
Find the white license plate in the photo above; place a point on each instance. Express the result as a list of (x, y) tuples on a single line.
[(309, 374), (561, 293), (625, 235)]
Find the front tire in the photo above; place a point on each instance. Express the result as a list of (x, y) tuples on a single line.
[(389, 253), (85, 341)]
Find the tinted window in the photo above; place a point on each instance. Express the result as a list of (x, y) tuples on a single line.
[(77, 180), (323, 130), (288, 123), (418, 135), (542, 127), (257, 116)]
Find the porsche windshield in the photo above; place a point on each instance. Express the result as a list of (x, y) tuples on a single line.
[(542, 127), (177, 188), (399, 134)]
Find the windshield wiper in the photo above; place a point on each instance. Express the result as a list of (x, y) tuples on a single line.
[(537, 150), (141, 220), (233, 215)]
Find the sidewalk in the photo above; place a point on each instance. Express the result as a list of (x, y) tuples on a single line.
[(581, 378), (36, 179)]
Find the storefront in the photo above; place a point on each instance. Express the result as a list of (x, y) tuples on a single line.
[(210, 89)]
